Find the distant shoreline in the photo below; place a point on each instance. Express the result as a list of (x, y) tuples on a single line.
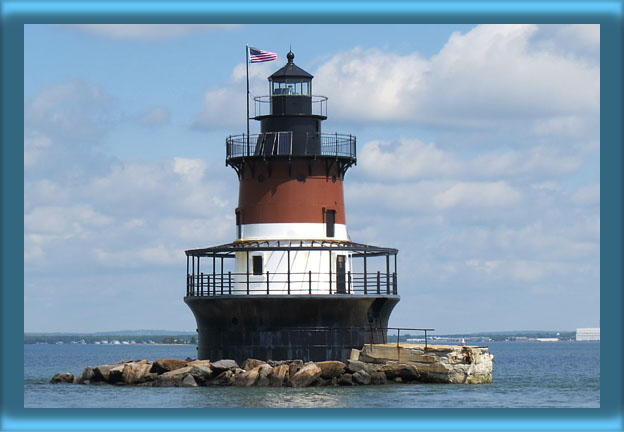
[(189, 338)]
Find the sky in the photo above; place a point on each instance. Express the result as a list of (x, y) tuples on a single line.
[(478, 158)]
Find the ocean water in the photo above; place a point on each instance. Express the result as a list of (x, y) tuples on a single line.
[(526, 375)]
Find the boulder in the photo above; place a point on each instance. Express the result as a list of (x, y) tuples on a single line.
[(331, 369), (264, 375), (102, 372), (164, 365), (62, 378), (361, 377), (378, 378), (134, 372), (357, 365), (249, 364), (322, 382), (201, 374), (247, 379), (346, 379), (294, 366), (279, 375), (404, 371), (147, 379), (173, 378), (222, 366), (87, 376), (309, 373), (204, 363), (188, 381), (225, 378), (435, 363), (115, 373)]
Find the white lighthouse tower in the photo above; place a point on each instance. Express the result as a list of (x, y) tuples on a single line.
[(292, 284)]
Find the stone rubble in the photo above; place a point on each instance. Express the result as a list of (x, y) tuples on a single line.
[(373, 365)]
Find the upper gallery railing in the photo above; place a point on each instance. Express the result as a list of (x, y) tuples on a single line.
[(281, 144), (264, 105)]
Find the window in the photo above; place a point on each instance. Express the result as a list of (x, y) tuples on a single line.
[(257, 264), (291, 87), (330, 222), (267, 146), (238, 224), (284, 145)]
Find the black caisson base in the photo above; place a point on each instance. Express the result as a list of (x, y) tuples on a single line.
[(311, 328)]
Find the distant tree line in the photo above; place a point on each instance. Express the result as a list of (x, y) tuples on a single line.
[(495, 336), (90, 339)]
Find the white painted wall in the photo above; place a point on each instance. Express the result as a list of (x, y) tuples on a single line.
[(292, 231), (301, 263)]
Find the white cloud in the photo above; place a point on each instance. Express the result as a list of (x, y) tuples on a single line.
[(545, 240), (407, 159), (35, 144), (491, 73), (485, 200), (83, 210), (585, 37), (148, 31), (73, 110), (546, 186), (522, 271), (571, 39), (156, 116), (412, 197), (587, 195), (478, 195), (134, 215), (224, 106), (411, 159), (373, 85), (67, 221), (491, 76), (191, 169), (566, 126)]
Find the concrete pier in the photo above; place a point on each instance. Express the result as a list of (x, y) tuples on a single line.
[(435, 363)]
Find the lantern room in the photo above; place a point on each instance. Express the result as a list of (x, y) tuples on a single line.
[(291, 80)]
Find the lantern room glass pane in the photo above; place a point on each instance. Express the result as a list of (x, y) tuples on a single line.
[(291, 87)]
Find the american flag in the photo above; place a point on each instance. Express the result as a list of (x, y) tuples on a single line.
[(257, 55)]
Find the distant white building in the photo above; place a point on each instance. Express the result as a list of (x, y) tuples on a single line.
[(588, 334)]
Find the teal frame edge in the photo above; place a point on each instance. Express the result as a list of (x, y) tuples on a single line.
[(17, 13)]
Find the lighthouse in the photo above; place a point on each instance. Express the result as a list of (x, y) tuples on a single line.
[(292, 284)]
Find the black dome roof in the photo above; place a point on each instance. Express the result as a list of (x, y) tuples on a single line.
[(291, 70)]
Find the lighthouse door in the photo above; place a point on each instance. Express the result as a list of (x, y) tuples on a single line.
[(340, 274)]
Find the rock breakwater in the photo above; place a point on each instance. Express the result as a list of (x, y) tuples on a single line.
[(373, 365)]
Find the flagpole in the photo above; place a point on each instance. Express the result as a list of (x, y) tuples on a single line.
[(247, 67)]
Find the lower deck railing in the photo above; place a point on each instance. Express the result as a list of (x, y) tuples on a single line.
[(293, 283), (372, 334)]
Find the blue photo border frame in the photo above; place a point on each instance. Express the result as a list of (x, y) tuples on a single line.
[(17, 13)]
